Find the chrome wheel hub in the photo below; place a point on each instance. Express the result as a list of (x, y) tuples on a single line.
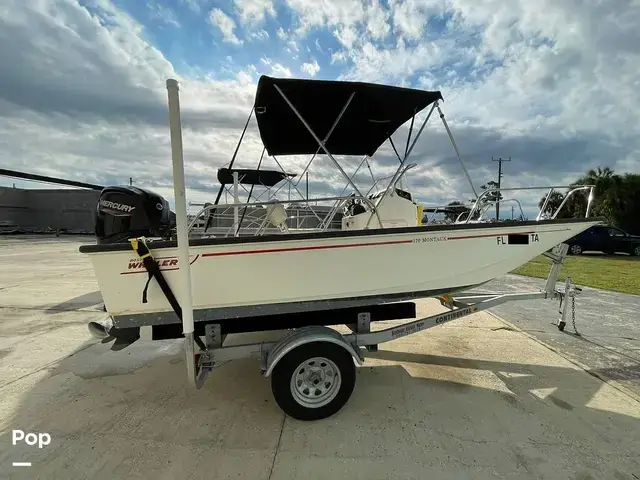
[(315, 382)]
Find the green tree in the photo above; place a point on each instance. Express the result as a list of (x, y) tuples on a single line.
[(606, 182), (454, 209), (492, 196), (620, 203), (616, 198), (555, 200)]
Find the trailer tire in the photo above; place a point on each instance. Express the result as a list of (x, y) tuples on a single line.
[(314, 381)]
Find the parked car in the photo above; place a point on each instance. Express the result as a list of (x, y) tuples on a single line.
[(604, 239)]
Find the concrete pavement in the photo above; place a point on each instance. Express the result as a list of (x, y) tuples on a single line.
[(608, 324), (470, 399)]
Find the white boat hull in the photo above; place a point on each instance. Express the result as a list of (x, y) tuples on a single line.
[(292, 270)]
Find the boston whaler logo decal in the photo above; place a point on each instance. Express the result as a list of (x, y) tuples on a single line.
[(117, 207), (135, 265)]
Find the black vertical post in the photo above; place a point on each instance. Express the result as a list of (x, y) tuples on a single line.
[(130, 180), (499, 183), (499, 160), (307, 175)]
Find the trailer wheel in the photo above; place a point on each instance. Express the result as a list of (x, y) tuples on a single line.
[(313, 381)]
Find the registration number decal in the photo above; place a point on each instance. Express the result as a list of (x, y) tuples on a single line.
[(517, 239)]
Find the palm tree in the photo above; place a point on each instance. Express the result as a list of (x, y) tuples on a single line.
[(606, 183), (555, 200)]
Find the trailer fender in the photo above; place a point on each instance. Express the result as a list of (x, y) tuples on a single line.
[(306, 335)]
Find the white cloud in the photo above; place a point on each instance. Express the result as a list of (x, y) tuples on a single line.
[(347, 36), (292, 46), (89, 103), (225, 24), (374, 63), (377, 21), (555, 76), (276, 69), (254, 11), (193, 5), (259, 35), (544, 64), (281, 71), (164, 14), (311, 69), (552, 84), (338, 57), (326, 13), (410, 18), (246, 77)]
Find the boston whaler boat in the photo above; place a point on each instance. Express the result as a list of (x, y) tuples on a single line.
[(369, 269)]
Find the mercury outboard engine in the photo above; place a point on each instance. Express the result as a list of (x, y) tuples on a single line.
[(125, 212)]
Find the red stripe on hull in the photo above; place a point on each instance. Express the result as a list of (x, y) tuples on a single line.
[(329, 247), (298, 249)]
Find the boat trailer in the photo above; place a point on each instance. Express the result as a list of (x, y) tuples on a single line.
[(313, 368)]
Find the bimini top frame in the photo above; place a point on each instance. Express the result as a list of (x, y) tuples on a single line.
[(371, 113), (341, 118), (351, 118)]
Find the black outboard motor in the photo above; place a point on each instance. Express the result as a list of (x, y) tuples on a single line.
[(125, 212)]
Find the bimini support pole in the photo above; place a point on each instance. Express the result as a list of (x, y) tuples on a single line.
[(417, 137), (184, 270), (236, 201), (455, 147), (400, 169), (322, 143)]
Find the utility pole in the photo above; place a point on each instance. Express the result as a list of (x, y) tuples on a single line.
[(499, 160)]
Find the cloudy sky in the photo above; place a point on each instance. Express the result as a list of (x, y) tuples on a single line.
[(551, 83)]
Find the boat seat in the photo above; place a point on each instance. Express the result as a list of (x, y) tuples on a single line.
[(277, 216)]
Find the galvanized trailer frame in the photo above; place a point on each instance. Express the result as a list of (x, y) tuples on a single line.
[(341, 352)]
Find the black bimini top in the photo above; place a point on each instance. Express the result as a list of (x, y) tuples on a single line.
[(374, 114), (268, 178)]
